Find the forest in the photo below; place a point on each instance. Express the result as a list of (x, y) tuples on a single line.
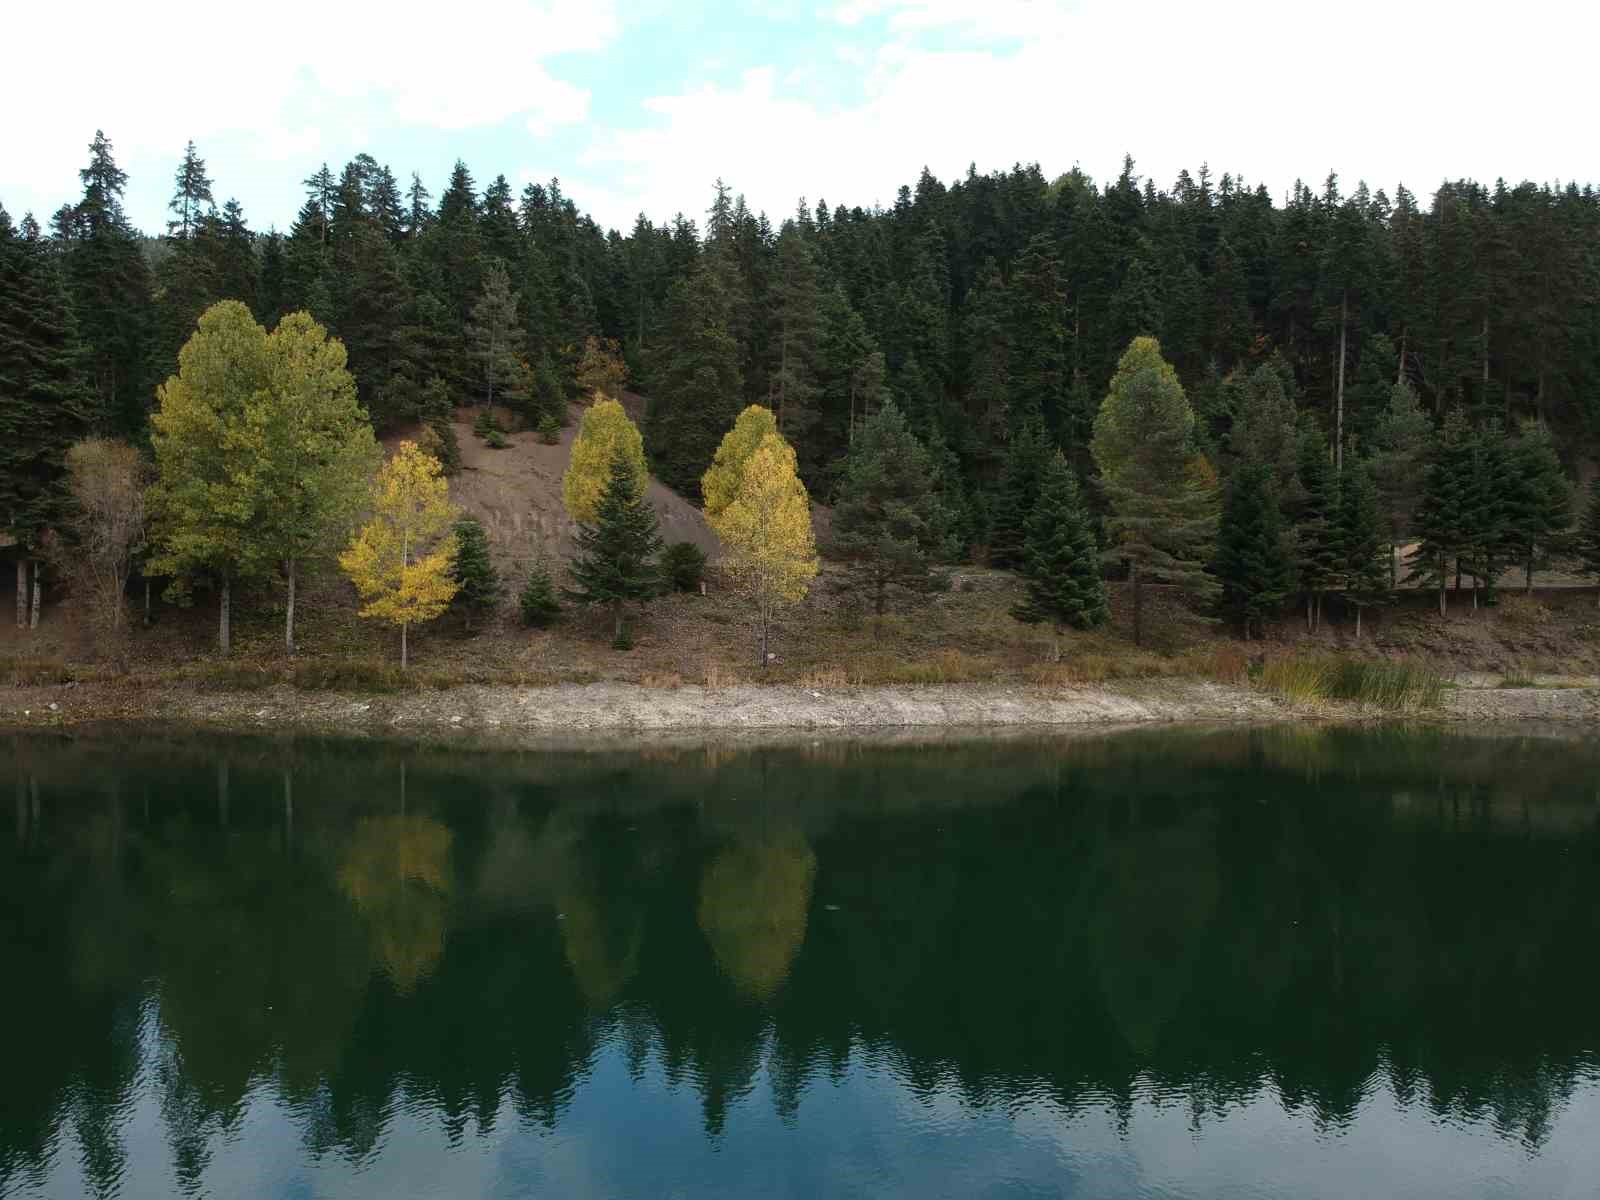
[(1254, 400)]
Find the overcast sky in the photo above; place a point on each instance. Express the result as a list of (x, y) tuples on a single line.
[(640, 106)]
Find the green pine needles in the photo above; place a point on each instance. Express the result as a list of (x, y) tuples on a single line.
[(616, 562), (1062, 559)]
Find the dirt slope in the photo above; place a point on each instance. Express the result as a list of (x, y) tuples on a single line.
[(516, 493)]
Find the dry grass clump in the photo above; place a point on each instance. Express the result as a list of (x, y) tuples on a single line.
[(1519, 608), (824, 677), (663, 680), (719, 676), (945, 666), (1397, 685)]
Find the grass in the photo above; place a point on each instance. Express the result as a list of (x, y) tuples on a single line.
[(1395, 685)]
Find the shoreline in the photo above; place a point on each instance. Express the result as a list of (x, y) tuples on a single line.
[(578, 711)]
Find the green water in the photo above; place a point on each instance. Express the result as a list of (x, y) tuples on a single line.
[(1270, 963)]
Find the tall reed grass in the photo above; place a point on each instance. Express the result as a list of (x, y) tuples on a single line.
[(1393, 685)]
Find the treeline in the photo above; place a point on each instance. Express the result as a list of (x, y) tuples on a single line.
[(984, 308)]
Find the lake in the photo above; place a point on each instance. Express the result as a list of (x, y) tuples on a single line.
[(1294, 962)]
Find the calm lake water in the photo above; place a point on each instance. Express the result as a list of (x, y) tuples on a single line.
[(1293, 963)]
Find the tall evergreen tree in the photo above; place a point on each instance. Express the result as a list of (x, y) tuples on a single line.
[(886, 520), (1442, 522), (1538, 504), (1062, 569), (191, 189), (1365, 558), (477, 582), (1316, 519), (1027, 458), (616, 562), (696, 378), (1163, 511), (493, 335), (1253, 562)]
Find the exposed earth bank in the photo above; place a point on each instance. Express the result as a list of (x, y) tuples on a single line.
[(536, 713)]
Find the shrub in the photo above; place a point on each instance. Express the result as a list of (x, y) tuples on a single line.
[(549, 430), (496, 440), (538, 602), (484, 423), (624, 639), (683, 566)]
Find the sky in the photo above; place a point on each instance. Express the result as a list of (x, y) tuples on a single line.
[(640, 107)]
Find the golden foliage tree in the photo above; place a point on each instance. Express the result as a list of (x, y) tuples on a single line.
[(720, 484), (397, 873), (604, 432), (401, 560), (105, 525), (602, 370), (754, 904), (770, 552)]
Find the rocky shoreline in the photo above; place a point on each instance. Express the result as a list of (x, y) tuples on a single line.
[(536, 714)]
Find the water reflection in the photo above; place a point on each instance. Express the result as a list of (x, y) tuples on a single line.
[(308, 957)]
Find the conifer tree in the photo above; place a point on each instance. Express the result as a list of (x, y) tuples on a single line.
[(616, 562), (1316, 519), (492, 333), (1443, 515), (1538, 504), (1403, 437), (1265, 431), (477, 582), (1163, 511), (1586, 542), (1253, 563), (191, 188), (798, 337), (886, 520), (696, 377), (1062, 565), (1490, 496), (42, 401), (401, 561), (538, 602), (1365, 557), (1027, 459)]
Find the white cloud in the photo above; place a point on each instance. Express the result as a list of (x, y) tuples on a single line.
[(1386, 92), (154, 85)]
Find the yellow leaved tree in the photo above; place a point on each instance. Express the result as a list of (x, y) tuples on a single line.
[(604, 431), (720, 484), (770, 552), (401, 560)]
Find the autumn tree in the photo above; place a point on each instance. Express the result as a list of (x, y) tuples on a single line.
[(104, 526), (601, 369), (1163, 517), (604, 433), (401, 560), (723, 478), (770, 551)]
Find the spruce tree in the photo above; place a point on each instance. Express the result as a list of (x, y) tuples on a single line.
[(1027, 459), (1264, 430), (1490, 496), (478, 584), (42, 401), (1538, 505), (1253, 562), (538, 602), (1062, 559), (1316, 517), (1443, 515), (696, 378), (191, 188), (616, 563), (887, 523), (1586, 543), (1402, 438), (493, 334), (1365, 558)]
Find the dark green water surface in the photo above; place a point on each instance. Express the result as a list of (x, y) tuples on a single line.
[(1293, 963)]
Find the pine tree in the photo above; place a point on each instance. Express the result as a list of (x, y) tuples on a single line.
[(696, 378), (1490, 496), (1443, 515), (1163, 509), (886, 523), (1586, 543), (798, 337), (1538, 504), (1040, 372), (1027, 459), (1402, 438), (1315, 519), (538, 602), (1265, 431), (1253, 562), (42, 401), (191, 188), (1062, 559), (493, 333), (477, 582), (1365, 557), (616, 563)]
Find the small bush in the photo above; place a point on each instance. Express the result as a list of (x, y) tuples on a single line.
[(485, 424), (35, 672), (683, 566), (549, 430), (495, 440), (538, 603), (623, 640)]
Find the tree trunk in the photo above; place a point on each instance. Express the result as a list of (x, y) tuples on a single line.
[(1358, 622), (616, 622), (1138, 606), (1529, 566), (1400, 363), (225, 618), (22, 593), (1338, 437), (38, 593), (288, 612), (147, 602), (1444, 579), (763, 639), (402, 645)]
